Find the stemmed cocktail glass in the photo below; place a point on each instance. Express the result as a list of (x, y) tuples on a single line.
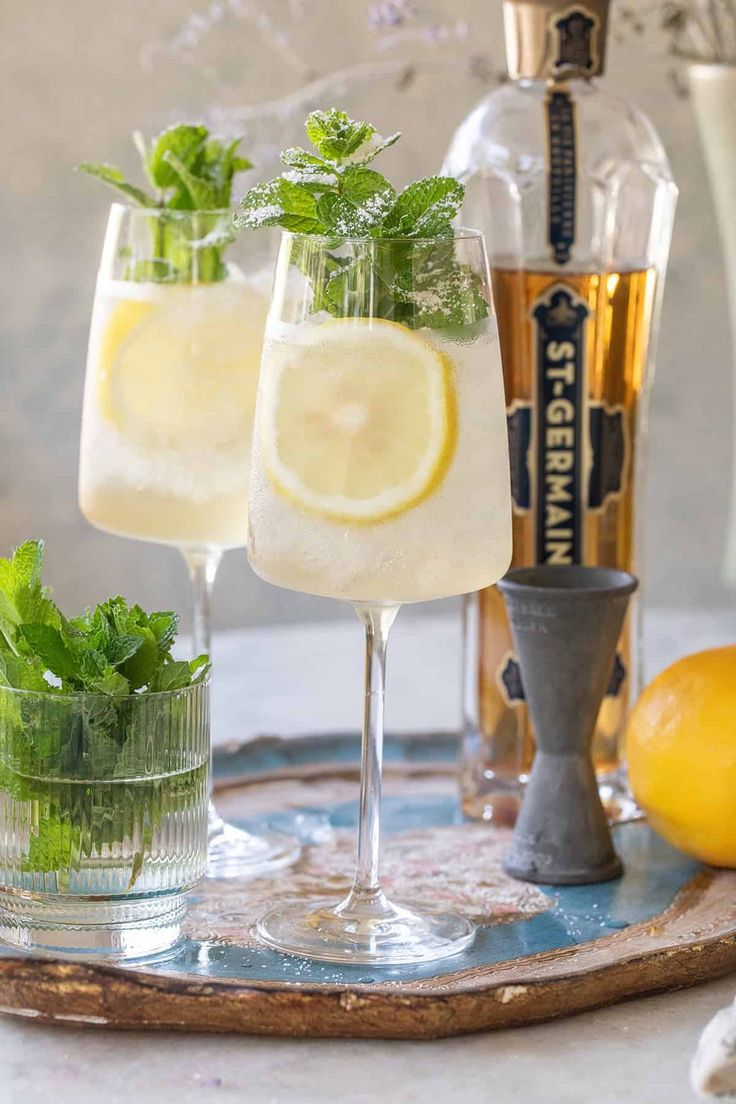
[(380, 476), (172, 371)]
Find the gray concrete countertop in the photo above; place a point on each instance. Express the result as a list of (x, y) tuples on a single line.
[(307, 678), (635, 1053)]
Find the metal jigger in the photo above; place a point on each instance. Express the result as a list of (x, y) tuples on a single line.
[(565, 623)]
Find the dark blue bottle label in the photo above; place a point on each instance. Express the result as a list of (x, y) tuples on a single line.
[(569, 454), (562, 174), (559, 324)]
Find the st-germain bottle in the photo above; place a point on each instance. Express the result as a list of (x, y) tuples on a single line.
[(573, 190)]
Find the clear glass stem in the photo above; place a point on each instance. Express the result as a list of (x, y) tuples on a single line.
[(233, 852), (377, 621), (366, 926), (202, 567)]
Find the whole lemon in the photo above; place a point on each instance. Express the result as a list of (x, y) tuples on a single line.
[(681, 751)]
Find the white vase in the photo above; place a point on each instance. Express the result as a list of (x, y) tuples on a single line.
[(713, 90)]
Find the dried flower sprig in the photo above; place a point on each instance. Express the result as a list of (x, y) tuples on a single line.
[(698, 30)]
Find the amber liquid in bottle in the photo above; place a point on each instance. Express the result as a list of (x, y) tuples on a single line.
[(610, 372)]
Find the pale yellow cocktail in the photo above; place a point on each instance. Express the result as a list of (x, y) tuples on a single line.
[(171, 386), (380, 461)]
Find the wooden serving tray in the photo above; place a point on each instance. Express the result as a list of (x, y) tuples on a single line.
[(541, 952)]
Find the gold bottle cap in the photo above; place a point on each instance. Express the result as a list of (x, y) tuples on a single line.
[(556, 39)]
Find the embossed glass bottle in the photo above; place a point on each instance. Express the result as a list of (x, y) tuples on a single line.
[(573, 190)]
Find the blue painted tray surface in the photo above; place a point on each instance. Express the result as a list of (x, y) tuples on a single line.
[(655, 872)]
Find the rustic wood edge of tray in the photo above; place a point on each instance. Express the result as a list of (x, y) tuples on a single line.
[(562, 983)]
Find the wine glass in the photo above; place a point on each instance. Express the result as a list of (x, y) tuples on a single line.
[(380, 475), (172, 370)]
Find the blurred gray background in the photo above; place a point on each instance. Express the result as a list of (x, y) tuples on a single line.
[(78, 77)]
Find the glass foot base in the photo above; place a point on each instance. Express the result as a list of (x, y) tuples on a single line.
[(85, 927), (373, 931), (234, 853)]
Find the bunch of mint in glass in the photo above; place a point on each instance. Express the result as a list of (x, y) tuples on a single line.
[(190, 175), (334, 193), (112, 651)]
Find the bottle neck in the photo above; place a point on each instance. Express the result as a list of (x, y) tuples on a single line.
[(541, 91), (576, 84)]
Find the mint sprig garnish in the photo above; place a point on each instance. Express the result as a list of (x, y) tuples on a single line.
[(114, 650), (333, 193), (186, 169)]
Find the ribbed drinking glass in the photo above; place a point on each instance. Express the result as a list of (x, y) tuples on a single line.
[(103, 818)]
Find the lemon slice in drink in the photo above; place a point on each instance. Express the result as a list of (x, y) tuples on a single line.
[(180, 370), (359, 419)]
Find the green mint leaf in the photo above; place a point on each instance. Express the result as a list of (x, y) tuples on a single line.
[(52, 844), (111, 175), (446, 299), (215, 239), (90, 631), (138, 859), (22, 672), (175, 674), (280, 202), (25, 567), (296, 158), (374, 146), (184, 141), (335, 135), (425, 208), (22, 595), (33, 604), (261, 206), (199, 668), (314, 180), (203, 193), (369, 191), (164, 625), (155, 271), (121, 617), (344, 292), (319, 268), (340, 217), (48, 644), (122, 648), (109, 681), (123, 636), (92, 671), (141, 668), (218, 164)]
